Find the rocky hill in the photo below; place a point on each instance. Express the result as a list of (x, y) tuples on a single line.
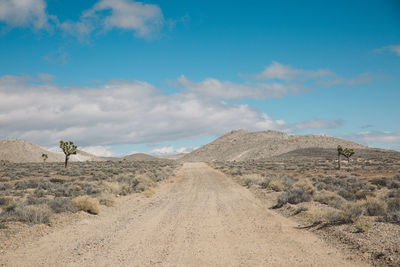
[(141, 157), (242, 145), (23, 151)]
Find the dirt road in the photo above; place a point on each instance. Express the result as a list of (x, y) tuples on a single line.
[(198, 218)]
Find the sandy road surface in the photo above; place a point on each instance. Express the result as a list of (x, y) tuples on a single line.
[(200, 218)]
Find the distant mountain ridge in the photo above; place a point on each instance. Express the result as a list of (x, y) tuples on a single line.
[(242, 145), (141, 157), (19, 151)]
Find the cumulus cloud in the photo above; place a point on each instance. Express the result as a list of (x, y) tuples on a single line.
[(390, 48), (100, 151), (225, 89), (285, 72), (373, 137), (24, 13), (118, 112), (318, 124), (360, 79), (170, 150), (145, 20)]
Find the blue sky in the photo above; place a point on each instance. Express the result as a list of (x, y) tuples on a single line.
[(118, 76)]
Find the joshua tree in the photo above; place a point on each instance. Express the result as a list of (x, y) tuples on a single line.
[(69, 148), (346, 152), (44, 157)]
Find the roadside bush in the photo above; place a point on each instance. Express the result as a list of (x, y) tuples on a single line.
[(36, 214), (393, 211), (86, 203), (330, 198), (247, 182), (60, 204), (293, 196), (276, 185), (107, 199), (5, 201), (375, 207), (362, 225), (305, 185), (352, 211)]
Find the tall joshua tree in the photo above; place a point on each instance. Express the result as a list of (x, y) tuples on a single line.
[(69, 148), (44, 157), (346, 152)]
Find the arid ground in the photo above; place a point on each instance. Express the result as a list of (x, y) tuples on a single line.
[(199, 217)]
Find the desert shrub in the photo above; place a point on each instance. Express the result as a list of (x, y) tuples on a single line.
[(300, 209), (393, 211), (334, 217), (305, 185), (346, 194), (5, 186), (352, 211), (111, 187), (276, 185), (33, 214), (247, 182), (293, 196), (143, 186), (264, 183), (5, 201), (374, 207), (362, 225), (34, 200), (57, 180), (250, 179), (393, 205), (362, 194), (63, 191), (330, 198), (282, 200), (380, 182), (60, 204), (86, 203), (393, 194), (107, 199), (329, 216), (10, 206), (25, 184)]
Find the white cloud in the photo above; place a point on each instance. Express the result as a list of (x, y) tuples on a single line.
[(100, 151), (371, 137), (224, 89), (360, 79), (325, 77), (285, 72), (170, 150), (318, 124), (144, 19), (24, 13), (119, 112), (391, 48)]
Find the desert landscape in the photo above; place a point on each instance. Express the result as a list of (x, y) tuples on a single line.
[(199, 133), (247, 198)]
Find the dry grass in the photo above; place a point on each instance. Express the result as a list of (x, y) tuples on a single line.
[(30, 189), (276, 185), (86, 203), (107, 199), (34, 214)]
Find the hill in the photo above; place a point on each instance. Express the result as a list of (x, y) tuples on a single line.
[(141, 157), (23, 151), (242, 145)]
